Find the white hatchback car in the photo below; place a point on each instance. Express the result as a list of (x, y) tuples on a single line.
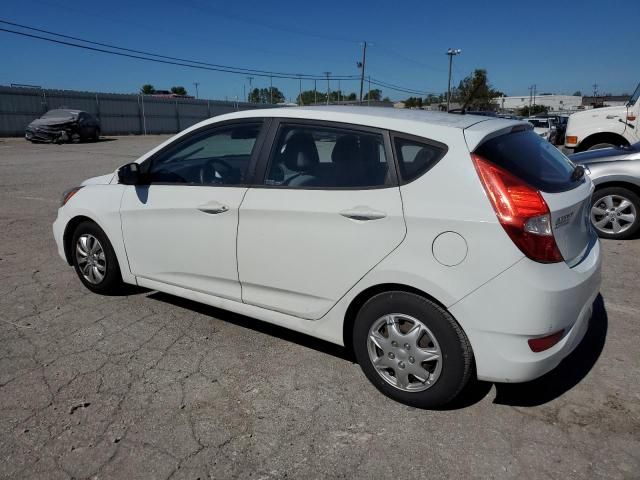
[(438, 247)]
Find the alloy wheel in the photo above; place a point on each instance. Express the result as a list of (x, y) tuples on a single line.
[(404, 352), (613, 214), (91, 258)]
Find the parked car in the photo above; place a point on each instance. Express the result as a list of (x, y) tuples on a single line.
[(560, 124), (544, 127), (615, 204), (437, 247), (605, 127), (63, 125)]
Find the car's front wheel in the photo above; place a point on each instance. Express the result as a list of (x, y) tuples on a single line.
[(615, 212), (94, 260), (412, 349)]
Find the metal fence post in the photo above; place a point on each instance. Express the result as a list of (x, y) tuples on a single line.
[(177, 116), (143, 120), (98, 109)]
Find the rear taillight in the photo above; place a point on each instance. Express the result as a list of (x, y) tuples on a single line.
[(521, 210)]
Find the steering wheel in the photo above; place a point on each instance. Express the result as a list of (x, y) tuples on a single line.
[(210, 174)]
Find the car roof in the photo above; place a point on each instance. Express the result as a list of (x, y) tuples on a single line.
[(401, 120)]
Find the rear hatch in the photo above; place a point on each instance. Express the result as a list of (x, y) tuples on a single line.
[(562, 185)]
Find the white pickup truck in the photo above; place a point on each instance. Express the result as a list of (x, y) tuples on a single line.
[(605, 127)]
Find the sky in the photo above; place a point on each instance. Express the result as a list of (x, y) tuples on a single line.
[(560, 46)]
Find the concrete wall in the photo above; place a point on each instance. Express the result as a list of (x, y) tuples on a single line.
[(118, 114)]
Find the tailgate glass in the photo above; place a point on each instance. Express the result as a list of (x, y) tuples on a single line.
[(531, 159)]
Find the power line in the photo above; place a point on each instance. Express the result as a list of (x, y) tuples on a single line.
[(213, 66), (177, 61)]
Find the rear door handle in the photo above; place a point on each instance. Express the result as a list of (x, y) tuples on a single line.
[(213, 208), (363, 213)]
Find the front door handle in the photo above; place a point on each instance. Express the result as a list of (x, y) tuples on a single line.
[(363, 213), (213, 208)]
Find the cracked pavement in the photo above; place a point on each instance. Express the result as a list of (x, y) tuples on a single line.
[(152, 386)]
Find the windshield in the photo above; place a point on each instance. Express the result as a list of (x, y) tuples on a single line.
[(634, 98), (539, 123)]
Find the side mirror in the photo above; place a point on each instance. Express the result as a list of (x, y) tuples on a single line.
[(129, 174)]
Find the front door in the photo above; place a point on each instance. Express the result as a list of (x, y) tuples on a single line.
[(328, 211), (180, 228)]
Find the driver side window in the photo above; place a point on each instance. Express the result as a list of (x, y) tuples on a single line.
[(219, 156)]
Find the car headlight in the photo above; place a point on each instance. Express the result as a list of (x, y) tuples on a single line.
[(66, 196)]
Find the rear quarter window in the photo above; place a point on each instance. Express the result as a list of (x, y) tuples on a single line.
[(532, 159), (416, 157)]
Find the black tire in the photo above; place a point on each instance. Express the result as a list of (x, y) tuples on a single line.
[(598, 146), (456, 353), (597, 200), (111, 283)]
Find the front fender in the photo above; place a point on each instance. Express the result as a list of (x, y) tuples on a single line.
[(101, 204)]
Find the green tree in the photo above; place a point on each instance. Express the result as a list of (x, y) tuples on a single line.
[(310, 97), (413, 102), (535, 109), (375, 94), (179, 90), (577, 93), (475, 92), (147, 89), (263, 95)]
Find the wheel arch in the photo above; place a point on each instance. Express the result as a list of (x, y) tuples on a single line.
[(635, 188), (67, 237), (601, 137), (361, 298)]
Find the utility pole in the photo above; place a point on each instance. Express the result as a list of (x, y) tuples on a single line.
[(362, 65), (327, 74), (250, 80), (300, 90), (315, 91), (196, 84), (244, 92), (271, 88), (530, 96), (595, 94), (451, 52), (339, 92), (369, 94)]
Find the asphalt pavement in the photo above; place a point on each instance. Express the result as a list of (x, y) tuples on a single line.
[(147, 385)]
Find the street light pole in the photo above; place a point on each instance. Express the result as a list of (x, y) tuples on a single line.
[(196, 84), (451, 52)]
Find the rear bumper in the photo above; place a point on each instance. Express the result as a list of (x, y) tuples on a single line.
[(526, 301)]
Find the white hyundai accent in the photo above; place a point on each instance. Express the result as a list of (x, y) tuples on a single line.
[(437, 247)]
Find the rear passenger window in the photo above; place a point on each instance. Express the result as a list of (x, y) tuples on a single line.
[(415, 158), (322, 157)]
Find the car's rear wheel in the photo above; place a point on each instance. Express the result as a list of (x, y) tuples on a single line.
[(94, 260), (615, 212), (412, 349)]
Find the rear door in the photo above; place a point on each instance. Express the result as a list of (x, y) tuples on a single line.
[(537, 162), (327, 212)]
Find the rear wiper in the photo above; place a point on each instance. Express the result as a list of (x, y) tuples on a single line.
[(577, 173)]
